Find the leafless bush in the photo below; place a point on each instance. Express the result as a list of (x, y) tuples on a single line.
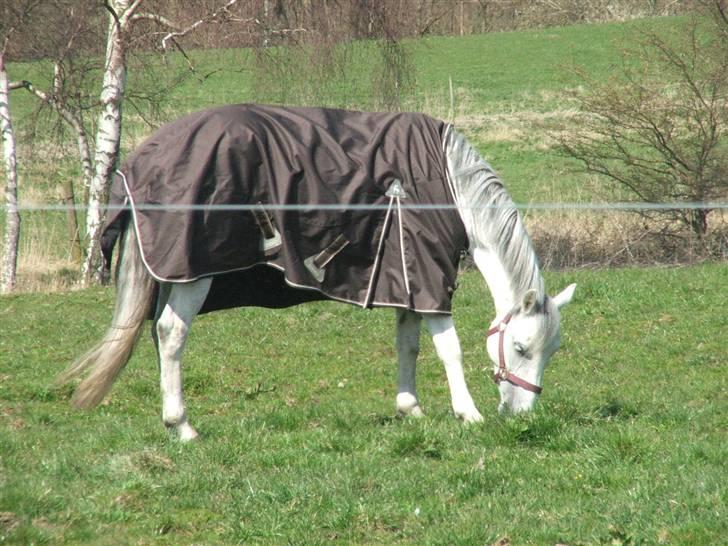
[(658, 132)]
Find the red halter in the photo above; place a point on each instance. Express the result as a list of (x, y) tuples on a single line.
[(503, 374)]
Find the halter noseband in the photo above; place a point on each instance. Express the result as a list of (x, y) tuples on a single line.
[(503, 374)]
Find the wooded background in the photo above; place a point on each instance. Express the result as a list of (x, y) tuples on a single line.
[(287, 21)]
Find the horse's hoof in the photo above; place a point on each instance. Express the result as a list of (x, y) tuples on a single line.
[(415, 411), (469, 417), (186, 433), (408, 405)]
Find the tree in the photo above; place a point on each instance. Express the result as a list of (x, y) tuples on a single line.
[(55, 30), (123, 15), (108, 131), (18, 18), (63, 33), (659, 131), (12, 219), (352, 52)]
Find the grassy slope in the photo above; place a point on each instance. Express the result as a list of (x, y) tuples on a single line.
[(300, 442), (506, 75)]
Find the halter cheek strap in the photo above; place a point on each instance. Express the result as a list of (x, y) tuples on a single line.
[(502, 374)]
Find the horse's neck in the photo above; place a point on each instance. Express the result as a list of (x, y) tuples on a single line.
[(498, 279), (499, 243), (504, 255)]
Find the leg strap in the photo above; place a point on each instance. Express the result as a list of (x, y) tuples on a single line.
[(316, 263), (271, 238)]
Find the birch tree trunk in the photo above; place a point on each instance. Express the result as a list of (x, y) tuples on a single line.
[(12, 218), (108, 135)]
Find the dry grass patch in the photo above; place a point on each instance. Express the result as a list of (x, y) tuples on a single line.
[(586, 238), (538, 129), (44, 261)]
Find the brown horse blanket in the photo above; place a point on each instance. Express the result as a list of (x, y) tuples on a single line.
[(284, 205)]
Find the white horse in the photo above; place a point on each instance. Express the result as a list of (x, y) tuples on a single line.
[(522, 338)]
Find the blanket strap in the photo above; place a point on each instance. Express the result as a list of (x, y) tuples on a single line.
[(378, 256), (316, 263), (271, 236), (396, 193)]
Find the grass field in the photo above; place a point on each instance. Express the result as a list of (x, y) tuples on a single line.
[(301, 444)]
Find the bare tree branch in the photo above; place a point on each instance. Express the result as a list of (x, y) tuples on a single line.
[(70, 117), (131, 10), (112, 11), (159, 19), (193, 26)]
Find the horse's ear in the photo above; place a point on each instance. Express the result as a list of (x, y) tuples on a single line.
[(565, 296), (530, 299)]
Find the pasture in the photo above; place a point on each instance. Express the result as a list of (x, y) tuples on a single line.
[(301, 444), (300, 440)]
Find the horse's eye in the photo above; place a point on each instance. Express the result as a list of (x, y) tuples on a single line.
[(520, 348)]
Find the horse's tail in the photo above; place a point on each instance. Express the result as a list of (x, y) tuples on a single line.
[(106, 359)]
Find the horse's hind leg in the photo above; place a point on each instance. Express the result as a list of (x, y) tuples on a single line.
[(171, 328), (408, 347), (163, 291)]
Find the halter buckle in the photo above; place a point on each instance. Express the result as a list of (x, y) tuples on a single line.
[(501, 374)]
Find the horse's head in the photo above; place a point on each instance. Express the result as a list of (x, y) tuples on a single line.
[(521, 344)]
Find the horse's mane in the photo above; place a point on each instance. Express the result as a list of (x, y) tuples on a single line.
[(489, 214)]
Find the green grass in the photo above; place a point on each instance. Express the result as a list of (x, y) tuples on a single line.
[(301, 444), (497, 71)]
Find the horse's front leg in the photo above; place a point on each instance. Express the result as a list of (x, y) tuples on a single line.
[(408, 347), (448, 349), (171, 328)]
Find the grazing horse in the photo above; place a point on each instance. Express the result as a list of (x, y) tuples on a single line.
[(269, 206)]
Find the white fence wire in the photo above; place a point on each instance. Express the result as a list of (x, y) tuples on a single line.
[(593, 206)]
